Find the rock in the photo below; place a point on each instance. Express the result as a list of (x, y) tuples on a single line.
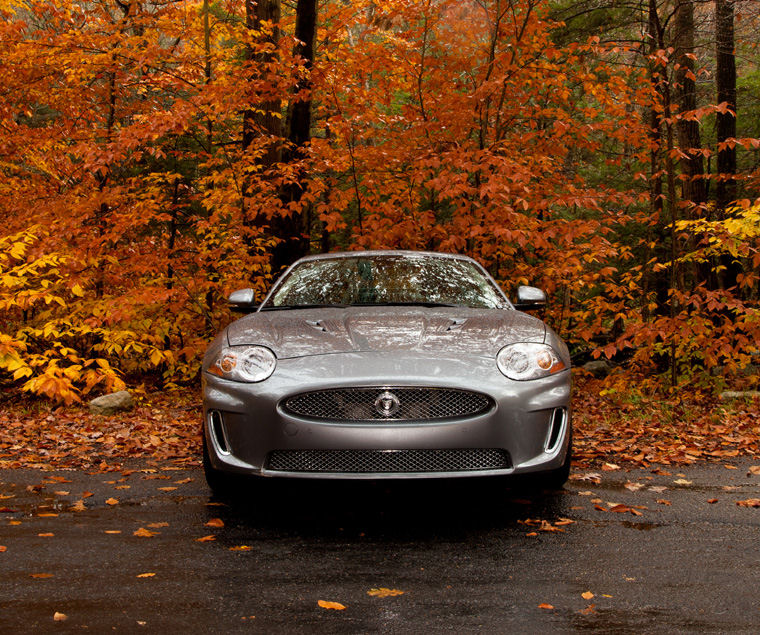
[(739, 394), (599, 368), (110, 404)]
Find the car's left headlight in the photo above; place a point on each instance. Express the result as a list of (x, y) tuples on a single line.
[(243, 363), (528, 360)]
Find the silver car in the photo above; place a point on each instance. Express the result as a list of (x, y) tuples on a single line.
[(386, 364)]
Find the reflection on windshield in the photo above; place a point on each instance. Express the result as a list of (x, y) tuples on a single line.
[(363, 280)]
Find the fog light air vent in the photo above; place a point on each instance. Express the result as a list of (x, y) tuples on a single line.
[(558, 421), (216, 425)]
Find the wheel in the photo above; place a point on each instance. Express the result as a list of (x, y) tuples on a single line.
[(555, 479), (221, 483)]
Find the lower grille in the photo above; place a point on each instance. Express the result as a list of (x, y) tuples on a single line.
[(388, 404), (387, 461)]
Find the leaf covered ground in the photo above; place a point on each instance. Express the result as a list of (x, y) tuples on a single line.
[(611, 430)]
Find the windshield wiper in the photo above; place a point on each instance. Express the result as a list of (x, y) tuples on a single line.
[(418, 303), (281, 307)]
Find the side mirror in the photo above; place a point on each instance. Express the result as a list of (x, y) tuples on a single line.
[(243, 300), (530, 298)]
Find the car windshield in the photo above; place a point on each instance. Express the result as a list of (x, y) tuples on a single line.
[(385, 280)]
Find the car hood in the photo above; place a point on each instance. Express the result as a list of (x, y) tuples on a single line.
[(452, 331)]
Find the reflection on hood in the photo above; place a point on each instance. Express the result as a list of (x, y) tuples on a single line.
[(297, 333)]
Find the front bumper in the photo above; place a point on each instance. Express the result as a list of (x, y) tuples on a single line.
[(245, 424)]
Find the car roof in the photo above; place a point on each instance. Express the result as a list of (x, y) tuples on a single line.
[(383, 252)]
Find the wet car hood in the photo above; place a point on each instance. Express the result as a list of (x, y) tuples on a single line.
[(302, 332)]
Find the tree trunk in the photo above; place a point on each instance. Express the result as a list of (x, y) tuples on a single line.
[(725, 80)]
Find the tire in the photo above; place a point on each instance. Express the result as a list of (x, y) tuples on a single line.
[(556, 479), (222, 484)]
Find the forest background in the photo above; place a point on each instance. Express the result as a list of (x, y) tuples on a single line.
[(157, 155)]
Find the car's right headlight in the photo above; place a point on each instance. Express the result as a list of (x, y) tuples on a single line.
[(243, 363), (528, 360)]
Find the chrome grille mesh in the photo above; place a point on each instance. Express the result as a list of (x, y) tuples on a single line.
[(366, 404), (388, 461)]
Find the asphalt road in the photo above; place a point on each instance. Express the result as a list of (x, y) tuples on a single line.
[(461, 552)]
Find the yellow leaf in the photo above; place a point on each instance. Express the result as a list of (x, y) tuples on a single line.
[(60, 617), (145, 575), (587, 595), (382, 592), (77, 291)]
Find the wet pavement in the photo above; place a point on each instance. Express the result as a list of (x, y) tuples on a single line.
[(637, 551)]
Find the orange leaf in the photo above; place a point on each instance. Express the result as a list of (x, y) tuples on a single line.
[(112, 501), (145, 575), (750, 502), (49, 534), (215, 522), (587, 595), (548, 607), (241, 548), (206, 538), (144, 533), (42, 575), (60, 617), (337, 606)]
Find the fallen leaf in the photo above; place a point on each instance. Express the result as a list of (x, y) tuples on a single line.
[(610, 467), (206, 538), (167, 489), (87, 494), (382, 592), (587, 595), (158, 525), (241, 548), (47, 515), (532, 533), (183, 481), (682, 481), (712, 500), (658, 489), (663, 501), (78, 506), (600, 508), (145, 575), (588, 610), (112, 501), (730, 467), (112, 531), (563, 521), (41, 576), (754, 470), (48, 534), (548, 607), (337, 606), (2, 548), (58, 493), (144, 533), (633, 487), (750, 502), (215, 522), (60, 617)]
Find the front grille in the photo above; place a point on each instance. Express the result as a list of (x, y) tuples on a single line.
[(388, 461), (387, 404)]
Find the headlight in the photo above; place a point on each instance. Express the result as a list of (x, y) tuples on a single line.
[(243, 363), (528, 361)]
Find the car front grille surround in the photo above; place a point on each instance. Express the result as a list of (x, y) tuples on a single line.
[(388, 461), (387, 403)]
